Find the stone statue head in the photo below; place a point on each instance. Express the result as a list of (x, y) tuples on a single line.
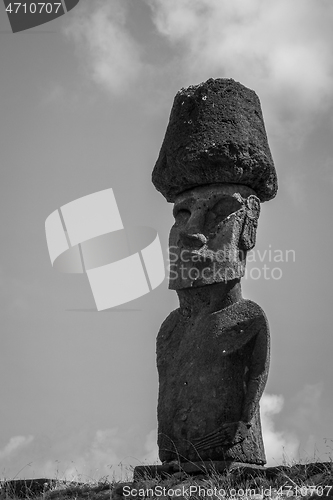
[(216, 167), (215, 226)]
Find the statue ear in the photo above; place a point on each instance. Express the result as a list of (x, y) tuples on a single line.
[(248, 235)]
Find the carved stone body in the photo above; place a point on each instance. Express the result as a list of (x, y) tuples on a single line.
[(212, 369), (212, 352)]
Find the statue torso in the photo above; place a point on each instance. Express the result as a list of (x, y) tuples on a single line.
[(204, 363)]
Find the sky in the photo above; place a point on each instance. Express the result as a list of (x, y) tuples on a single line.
[(84, 104)]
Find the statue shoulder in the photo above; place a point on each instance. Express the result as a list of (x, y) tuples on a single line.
[(244, 316), (170, 322), (252, 309), (255, 316), (169, 334)]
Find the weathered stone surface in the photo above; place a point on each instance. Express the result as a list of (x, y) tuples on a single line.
[(216, 134)]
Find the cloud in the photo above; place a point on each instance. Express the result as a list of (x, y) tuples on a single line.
[(101, 458), (279, 445), (84, 454), (281, 49), (112, 57), (15, 444), (87, 455), (106, 455)]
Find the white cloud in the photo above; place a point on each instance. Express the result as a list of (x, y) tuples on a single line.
[(100, 459), (103, 454), (280, 446), (14, 445), (83, 455), (281, 49), (112, 56)]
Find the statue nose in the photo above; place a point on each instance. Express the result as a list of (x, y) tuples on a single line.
[(191, 236), (193, 240)]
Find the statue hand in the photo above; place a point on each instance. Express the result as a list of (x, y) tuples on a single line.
[(235, 432), (228, 434)]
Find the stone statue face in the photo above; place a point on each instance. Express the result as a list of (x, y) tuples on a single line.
[(215, 225)]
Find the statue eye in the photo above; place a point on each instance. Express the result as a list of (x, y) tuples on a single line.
[(220, 211), (225, 207)]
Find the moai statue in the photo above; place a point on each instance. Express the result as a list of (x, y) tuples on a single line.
[(213, 351)]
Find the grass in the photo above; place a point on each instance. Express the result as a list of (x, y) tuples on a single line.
[(302, 481)]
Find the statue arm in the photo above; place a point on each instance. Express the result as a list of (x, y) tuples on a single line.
[(257, 378), (231, 433), (258, 373)]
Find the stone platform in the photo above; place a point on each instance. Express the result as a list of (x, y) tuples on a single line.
[(304, 471), (194, 469), (307, 481)]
